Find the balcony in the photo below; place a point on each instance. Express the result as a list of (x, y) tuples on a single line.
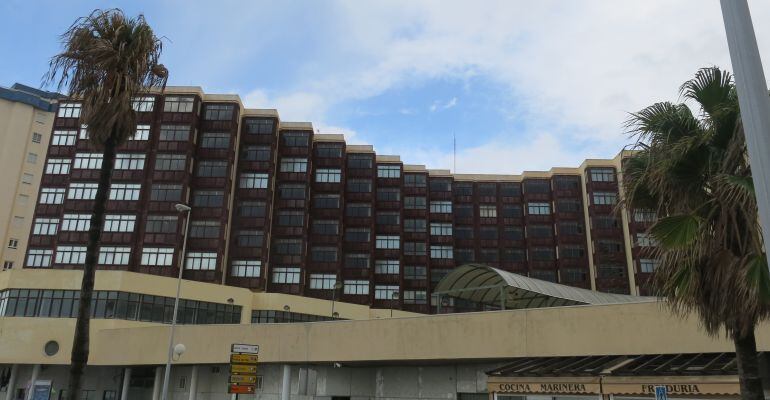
[(394, 229), (61, 151), (441, 239), (294, 151), (165, 146), (359, 172), (171, 239), (289, 231), (115, 205), (117, 238), (299, 177), (249, 283)]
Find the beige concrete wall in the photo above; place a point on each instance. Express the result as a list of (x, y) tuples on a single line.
[(18, 122)]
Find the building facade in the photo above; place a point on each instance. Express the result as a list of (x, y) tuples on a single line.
[(26, 118), (279, 208)]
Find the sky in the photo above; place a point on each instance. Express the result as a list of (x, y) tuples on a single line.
[(519, 85)]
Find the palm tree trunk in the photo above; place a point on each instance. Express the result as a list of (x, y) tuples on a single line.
[(80, 343), (748, 367)]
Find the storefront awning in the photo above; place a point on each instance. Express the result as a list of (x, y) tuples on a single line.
[(487, 285)]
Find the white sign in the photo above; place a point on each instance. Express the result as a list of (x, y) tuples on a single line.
[(245, 348)]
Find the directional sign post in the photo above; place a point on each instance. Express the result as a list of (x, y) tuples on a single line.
[(243, 368)]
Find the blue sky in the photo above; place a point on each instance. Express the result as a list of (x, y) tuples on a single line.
[(522, 85)]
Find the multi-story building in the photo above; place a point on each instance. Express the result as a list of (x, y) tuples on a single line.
[(26, 117), (279, 208)]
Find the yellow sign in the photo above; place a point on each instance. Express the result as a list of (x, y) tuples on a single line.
[(244, 359), (248, 379), (243, 369)]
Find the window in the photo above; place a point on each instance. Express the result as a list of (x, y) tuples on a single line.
[(386, 267), (129, 161), (161, 224), (37, 138), (386, 292), (27, 178), (648, 265), (488, 233), (415, 297), (294, 165), (609, 246), (489, 255), (440, 185), (253, 180), (415, 180), (291, 192), (359, 185), (360, 161), (602, 175), (569, 205), (445, 252), (64, 138), (252, 209), (463, 232), (158, 256), (487, 189), (171, 162), (611, 271), (256, 153), (39, 257), (357, 260), (329, 150), (572, 251), (358, 210), (645, 240), (537, 186), (208, 198), (212, 169), (643, 215), (333, 175), (58, 166), (415, 225), (142, 133), (538, 208), (356, 287), (125, 191), (76, 222), (291, 218), (119, 223), (250, 238), (513, 255), (69, 110), (566, 182), (415, 272), (388, 194), (109, 255), (463, 256), (387, 242), (143, 104), (215, 140), (464, 210), (359, 235), (204, 229), (200, 261), (246, 268), (288, 275), (605, 222), (175, 133), (415, 203), (70, 254), (511, 211), (178, 104), (463, 189), (322, 281), (510, 189), (388, 171), (13, 243), (441, 207), (572, 275), (414, 248), (295, 139), (543, 254), (539, 231), (440, 229), (543, 275), (388, 218), (326, 201), (7, 265), (83, 132), (161, 192), (487, 211), (88, 160), (605, 198), (52, 195), (218, 112), (288, 247), (326, 227), (45, 226), (570, 228), (32, 158), (257, 126)]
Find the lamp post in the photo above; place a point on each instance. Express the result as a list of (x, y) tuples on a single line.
[(182, 208), (393, 297), (337, 286)]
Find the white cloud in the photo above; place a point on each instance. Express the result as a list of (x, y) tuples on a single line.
[(436, 106)]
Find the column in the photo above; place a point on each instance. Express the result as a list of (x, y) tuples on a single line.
[(286, 384), (193, 382), (126, 383), (35, 374), (12, 382), (156, 384)]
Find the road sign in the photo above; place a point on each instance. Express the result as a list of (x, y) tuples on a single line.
[(243, 369), (244, 348), (246, 379), (240, 389), (250, 359), (661, 393)]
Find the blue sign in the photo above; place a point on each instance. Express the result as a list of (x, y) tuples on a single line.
[(661, 393)]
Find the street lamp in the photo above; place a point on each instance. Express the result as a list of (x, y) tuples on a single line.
[(393, 296), (182, 208), (337, 286)]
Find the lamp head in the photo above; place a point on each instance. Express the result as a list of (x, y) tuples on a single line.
[(182, 207), (179, 349)]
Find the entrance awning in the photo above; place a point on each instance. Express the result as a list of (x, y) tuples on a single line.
[(487, 285)]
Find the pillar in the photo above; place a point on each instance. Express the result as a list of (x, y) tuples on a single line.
[(193, 382), (156, 384), (286, 384), (32, 379), (126, 383), (11, 388)]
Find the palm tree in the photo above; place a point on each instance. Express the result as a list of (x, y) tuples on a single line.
[(107, 59), (694, 172)]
